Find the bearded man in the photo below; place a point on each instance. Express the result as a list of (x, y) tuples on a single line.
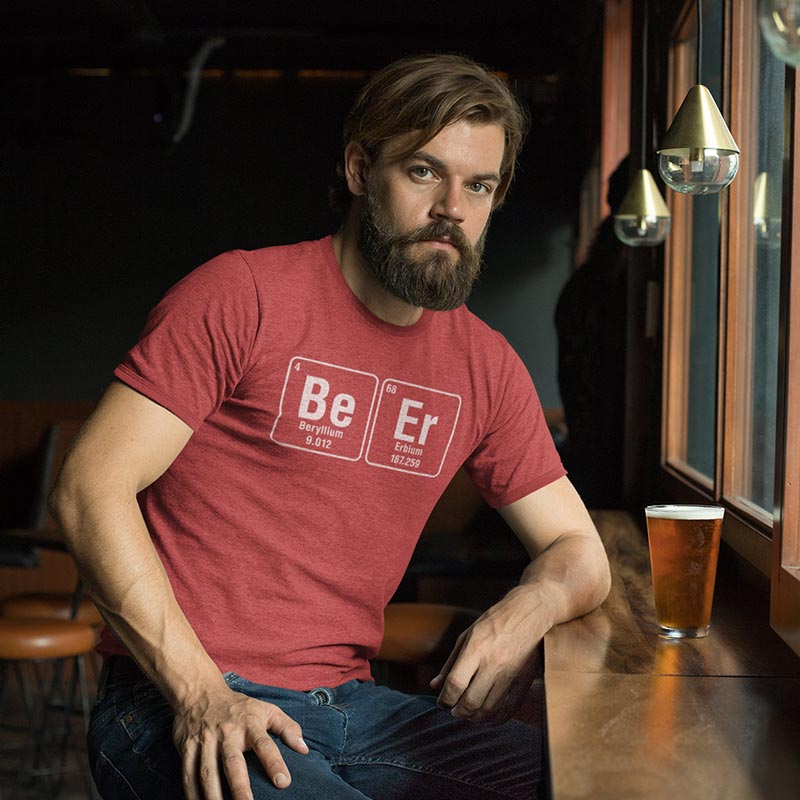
[(244, 500)]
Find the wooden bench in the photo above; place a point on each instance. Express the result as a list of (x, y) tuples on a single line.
[(630, 715)]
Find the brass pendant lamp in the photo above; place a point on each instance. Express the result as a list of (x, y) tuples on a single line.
[(642, 219), (698, 154)]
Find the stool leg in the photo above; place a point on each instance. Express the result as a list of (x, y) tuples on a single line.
[(86, 710), (41, 735), (67, 704), (27, 699), (60, 693)]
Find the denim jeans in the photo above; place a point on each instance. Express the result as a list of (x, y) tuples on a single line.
[(365, 741)]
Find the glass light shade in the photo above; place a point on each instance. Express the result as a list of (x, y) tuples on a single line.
[(780, 26), (642, 219), (698, 170), (641, 231), (698, 154)]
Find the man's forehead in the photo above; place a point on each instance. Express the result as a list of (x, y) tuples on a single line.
[(453, 139)]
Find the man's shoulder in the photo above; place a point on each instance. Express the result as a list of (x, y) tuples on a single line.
[(297, 253), (264, 268)]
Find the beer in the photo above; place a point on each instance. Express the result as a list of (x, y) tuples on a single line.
[(684, 545)]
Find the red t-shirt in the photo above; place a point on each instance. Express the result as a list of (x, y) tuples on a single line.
[(323, 437)]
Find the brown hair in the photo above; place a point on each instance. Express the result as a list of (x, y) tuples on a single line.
[(424, 94)]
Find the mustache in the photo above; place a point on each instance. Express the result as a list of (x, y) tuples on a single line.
[(438, 229)]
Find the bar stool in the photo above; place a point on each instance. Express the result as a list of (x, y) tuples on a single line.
[(41, 650), (57, 605), (50, 605), (417, 639)]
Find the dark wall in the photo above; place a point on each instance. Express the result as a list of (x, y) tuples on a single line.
[(101, 214)]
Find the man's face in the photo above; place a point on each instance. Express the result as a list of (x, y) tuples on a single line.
[(424, 220)]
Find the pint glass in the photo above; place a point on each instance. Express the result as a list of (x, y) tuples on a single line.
[(684, 545)]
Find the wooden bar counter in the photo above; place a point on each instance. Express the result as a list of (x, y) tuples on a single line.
[(631, 715)]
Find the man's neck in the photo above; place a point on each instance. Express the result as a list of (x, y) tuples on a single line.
[(363, 284)]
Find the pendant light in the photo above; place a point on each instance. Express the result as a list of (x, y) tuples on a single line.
[(642, 218), (698, 154), (780, 26)]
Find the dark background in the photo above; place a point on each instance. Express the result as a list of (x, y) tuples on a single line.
[(102, 210)]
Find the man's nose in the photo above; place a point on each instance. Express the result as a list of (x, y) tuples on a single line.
[(448, 203)]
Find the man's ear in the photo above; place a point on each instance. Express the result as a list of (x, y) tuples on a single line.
[(356, 169)]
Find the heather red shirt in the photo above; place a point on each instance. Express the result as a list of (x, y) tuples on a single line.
[(323, 437)]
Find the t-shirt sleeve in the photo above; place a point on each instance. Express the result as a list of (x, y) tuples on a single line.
[(517, 455), (196, 343)]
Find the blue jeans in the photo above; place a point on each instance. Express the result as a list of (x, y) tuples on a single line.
[(365, 741)]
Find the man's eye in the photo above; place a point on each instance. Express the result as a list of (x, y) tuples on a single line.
[(480, 188), (421, 172)]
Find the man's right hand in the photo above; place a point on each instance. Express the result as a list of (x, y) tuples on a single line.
[(126, 445), (218, 729)]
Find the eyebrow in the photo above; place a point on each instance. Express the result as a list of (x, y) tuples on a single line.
[(437, 163)]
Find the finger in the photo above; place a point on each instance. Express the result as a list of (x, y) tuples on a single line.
[(447, 667), (270, 756), (210, 781), (235, 768), (189, 771), (458, 682), (493, 704), (473, 698), (289, 731)]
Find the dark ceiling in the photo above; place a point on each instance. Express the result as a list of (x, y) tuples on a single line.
[(526, 37)]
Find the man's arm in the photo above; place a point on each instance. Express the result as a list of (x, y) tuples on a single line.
[(129, 442), (491, 667)]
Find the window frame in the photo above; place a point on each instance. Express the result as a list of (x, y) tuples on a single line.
[(771, 542), (785, 574)]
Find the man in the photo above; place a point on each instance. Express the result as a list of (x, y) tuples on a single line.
[(288, 420)]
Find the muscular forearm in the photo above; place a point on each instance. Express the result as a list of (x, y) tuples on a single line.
[(491, 667), (126, 445), (109, 541), (568, 579)]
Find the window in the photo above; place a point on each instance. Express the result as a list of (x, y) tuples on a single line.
[(694, 252), (731, 421), (754, 283)]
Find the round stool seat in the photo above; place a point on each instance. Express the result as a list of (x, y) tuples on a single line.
[(48, 605), (38, 638)]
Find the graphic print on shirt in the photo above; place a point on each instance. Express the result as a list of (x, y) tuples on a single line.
[(329, 410), (413, 428), (325, 409)]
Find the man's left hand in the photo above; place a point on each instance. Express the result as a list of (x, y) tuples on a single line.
[(494, 662)]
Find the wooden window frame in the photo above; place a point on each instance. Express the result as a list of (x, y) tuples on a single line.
[(785, 575), (747, 528), (678, 249)]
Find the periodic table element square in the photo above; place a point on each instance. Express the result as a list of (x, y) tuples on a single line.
[(325, 409), (413, 428)]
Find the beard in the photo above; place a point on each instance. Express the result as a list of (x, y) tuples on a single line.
[(437, 281)]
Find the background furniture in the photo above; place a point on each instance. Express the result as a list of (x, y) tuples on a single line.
[(46, 661), (418, 638)]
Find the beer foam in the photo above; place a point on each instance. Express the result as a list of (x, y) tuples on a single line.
[(684, 512)]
